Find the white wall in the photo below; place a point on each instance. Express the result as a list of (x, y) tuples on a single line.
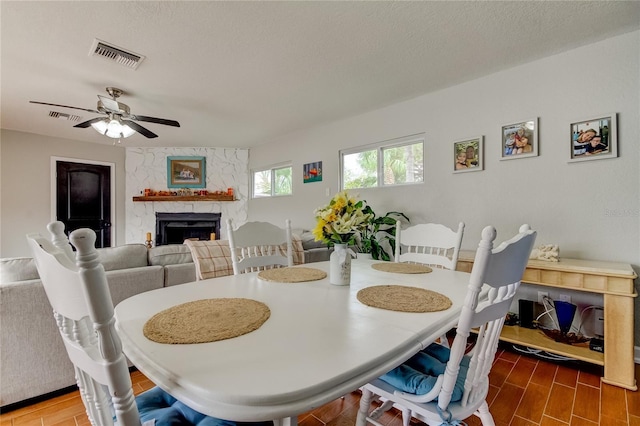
[(569, 204), (590, 209), (26, 184)]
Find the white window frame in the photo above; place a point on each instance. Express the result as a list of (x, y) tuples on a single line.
[(272, 168), (380, 147)]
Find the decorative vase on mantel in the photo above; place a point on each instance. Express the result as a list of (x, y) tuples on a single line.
[(340, 265)]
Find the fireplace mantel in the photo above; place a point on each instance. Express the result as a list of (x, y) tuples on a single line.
[(183, 198)]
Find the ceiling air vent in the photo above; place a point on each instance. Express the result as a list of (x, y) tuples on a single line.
[(115, 54), (63, 116)]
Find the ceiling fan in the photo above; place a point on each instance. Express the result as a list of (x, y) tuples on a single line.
[(119, 122)]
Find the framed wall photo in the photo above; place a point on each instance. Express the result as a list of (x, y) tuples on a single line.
[(186, 172), (594, 139), (520, 140), (312, 172), (468, 155)]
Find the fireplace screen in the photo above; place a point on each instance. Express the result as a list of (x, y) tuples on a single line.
[(174, 228)]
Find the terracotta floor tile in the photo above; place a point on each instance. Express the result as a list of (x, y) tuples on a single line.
[(633, 402), (37, 421), (566, 376), (82, 420), (491, 395), (560, 402), (521, 372), (589, 379), (634, 420), (613, 401), (55, 413), (346, 418), (519, 421), (310, 421), (533, 402), (579, 421), (473, 421), (505, 404), (500, 371), (62, 413), (544, 374), (550, 421), (333, 409), (509, 356), (613, 421), (66, 422), (587, 402)]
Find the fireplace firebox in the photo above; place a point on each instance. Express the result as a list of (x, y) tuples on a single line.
[(174, 228)]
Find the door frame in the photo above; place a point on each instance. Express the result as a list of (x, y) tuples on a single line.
[(112, 172)]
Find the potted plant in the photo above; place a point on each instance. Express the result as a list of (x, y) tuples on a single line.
[(338, 224), (378, 238)]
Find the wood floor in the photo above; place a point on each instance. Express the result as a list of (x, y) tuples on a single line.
[(525, 391)]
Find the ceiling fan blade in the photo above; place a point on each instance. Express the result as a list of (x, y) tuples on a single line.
[(66, 106), (138, 128), (155, 120), (109, 103), (88, 123)]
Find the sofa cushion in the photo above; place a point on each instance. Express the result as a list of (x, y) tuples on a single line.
[(309, 242), (213, 258), (171, 254), (123, 257), (18, 269)]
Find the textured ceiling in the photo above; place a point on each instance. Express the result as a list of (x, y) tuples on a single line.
[(240, 74)]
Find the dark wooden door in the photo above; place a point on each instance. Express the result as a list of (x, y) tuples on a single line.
[(83, 198)]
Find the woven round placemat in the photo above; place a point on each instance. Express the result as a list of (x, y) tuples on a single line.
[(403, 298), (207, 320), (402, 268), (292, 275)]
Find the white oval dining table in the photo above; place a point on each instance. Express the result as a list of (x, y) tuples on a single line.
[(319, 343)]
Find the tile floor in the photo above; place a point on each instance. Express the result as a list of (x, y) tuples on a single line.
[(525, 391)]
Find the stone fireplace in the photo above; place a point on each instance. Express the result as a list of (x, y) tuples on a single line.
[(147, 168), (174, 228)]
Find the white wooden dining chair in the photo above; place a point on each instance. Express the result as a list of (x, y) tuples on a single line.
[(77, 289), (256, 246), (430, 244), (442, 386)]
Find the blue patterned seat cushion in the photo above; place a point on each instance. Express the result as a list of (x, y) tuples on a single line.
[(419, 373), (156, 404)]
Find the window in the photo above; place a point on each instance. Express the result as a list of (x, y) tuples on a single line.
[(394, 162), (272, 182)]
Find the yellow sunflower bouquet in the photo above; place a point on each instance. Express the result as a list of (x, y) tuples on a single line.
[(341, 220)]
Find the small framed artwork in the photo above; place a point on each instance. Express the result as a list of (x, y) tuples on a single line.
[(594, 139), (467, 155), (520, 140), (186, 172), (312, 172)]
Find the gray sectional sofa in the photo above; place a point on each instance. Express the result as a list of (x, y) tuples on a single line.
[(33, 360)]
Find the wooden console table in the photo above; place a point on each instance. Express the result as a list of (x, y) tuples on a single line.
[(611, 279)]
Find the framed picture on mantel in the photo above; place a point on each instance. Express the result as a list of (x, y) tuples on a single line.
[(186, 172)]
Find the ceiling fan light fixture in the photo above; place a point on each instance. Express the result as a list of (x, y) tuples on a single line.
[(113, 128)]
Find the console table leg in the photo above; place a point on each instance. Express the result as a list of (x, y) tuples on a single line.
[(619, 369)]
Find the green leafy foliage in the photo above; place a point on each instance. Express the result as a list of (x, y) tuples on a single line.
[(379, 237)]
